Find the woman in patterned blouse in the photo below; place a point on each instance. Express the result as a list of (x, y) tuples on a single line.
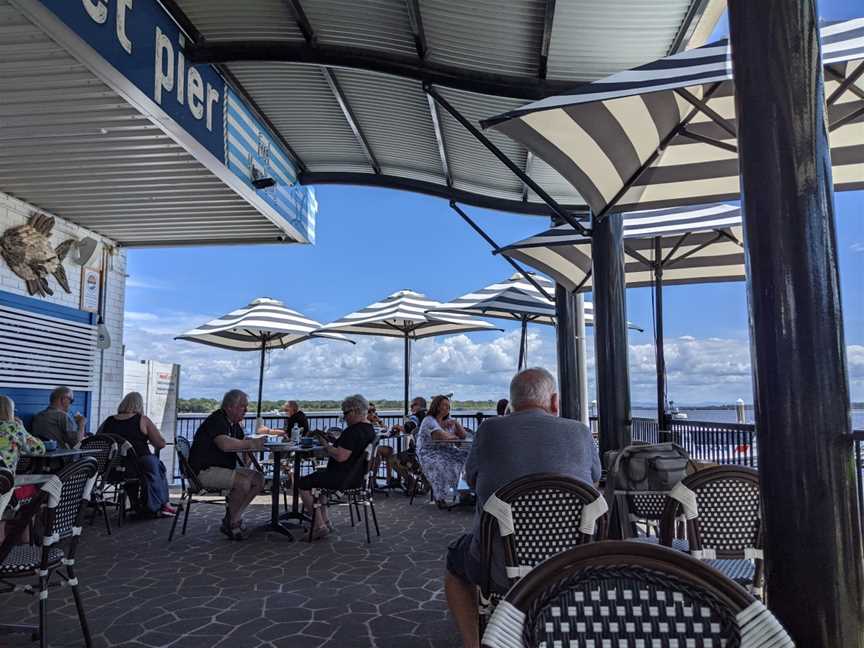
[(14, 439)]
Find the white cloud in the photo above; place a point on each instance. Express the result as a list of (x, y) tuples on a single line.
[(858, 246), (700, 370)]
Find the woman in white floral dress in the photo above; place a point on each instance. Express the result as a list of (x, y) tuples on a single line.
[(440, 457)]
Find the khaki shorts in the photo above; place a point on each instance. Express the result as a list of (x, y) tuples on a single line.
[(217, 478)]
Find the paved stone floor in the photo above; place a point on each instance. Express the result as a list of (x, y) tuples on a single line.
[(203, 590)]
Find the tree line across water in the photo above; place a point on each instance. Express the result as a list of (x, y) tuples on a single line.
[(206, 405)]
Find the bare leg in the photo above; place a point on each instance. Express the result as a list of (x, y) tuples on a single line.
[(322, 503), (462, 601), (247, 486)]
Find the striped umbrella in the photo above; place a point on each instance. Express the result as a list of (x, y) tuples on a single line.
[(513, 299), (263, 324), (664, 246), (664, 134), (404, 315)]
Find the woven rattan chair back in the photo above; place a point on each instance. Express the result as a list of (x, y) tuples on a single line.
[(76, 483), (620, 593), (538, 516), (723, 512), (105, 448)]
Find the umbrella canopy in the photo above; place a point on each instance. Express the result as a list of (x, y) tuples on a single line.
[(404, 315), (665, 246), (664, 133), (697, 245), (262, 324)]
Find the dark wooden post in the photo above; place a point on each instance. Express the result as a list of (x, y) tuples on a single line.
[(812, 529), (659, 352), (569, 398), (610, 333)]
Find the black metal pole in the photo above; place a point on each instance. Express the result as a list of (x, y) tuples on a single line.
[(261, 379), (610, 333), (813, 546), (407, 376), (557, 209), (658, 333), (523, 345), (569, 393)]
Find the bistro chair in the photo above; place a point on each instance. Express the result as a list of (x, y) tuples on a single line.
[(60, 504), (122, 477), (721, 506), (357, 491), (191, 486), (106, 455), (620, 593), (536, 516)]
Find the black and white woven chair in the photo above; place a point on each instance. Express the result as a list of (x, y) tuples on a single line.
[(106, 455), (60, 502), (358, 491), (122, 478), (723, 515), (621, 593), (535, 517), (192, 488)]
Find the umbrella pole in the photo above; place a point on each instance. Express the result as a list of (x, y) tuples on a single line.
[(260, 381), (407, 373), (658, 334), (523, 346)]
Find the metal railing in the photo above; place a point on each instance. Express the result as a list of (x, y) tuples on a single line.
[(858, 450)]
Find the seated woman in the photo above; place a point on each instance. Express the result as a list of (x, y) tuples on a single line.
[(346, 461), (14, 441), (442, 461), (131, 424)]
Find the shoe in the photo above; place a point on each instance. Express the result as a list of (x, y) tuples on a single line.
[(233, 533), (320, 532), (168, 511)]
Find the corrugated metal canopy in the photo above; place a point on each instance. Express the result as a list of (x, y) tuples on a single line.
[(71, 145), (343, 82)]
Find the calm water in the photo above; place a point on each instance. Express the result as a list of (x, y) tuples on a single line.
[(728, 416)]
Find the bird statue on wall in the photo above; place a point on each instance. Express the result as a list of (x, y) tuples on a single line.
[(28, 252)]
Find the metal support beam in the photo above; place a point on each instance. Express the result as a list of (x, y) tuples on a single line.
[(696, 137), (415, 19), (439, 138), (807, 469), (498, 153), (523, 344), (372, 60), (659, 353), (709, 112), (407, 374), (846, 83), (570, 384), (610, 333), (342, 100), (546, 38), (496, 249), (296, 8), (529, 163)]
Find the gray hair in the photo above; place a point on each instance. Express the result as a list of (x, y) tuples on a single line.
[(531, 388), (132, 403), (57, 393), (7, 409), (232, 397), (356, 404)]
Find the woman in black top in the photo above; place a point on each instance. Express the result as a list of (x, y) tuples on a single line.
[(347, 461), (132, 425)]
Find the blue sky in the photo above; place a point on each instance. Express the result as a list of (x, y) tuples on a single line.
[(372, 242)]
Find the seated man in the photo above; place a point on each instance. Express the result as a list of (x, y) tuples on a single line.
[(347, 461), (530, 440), (55, 423), (297, 417), (404, 463), (214, 458)]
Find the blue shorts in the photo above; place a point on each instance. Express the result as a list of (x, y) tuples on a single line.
[(462, 563)]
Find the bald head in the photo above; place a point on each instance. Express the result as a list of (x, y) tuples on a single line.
[(533, 388)]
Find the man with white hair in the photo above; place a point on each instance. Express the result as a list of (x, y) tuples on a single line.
[(346, 464), (532, 439)]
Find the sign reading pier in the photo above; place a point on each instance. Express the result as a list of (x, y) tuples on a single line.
[(143, 47)]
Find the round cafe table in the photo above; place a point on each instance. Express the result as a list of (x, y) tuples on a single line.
[(284, 523)]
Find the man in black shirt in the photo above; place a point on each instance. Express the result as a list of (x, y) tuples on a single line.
[(347, 464), (295, 417), (214, 458)]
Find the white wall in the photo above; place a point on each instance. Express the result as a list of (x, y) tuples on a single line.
[(158, 383), (15, 212)]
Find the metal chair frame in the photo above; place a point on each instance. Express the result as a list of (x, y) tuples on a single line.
[(650, 593), (60, 503), (191, 486), (105, 464)]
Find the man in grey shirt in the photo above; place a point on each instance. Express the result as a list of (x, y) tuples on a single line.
[(530, 440), (56, 424)]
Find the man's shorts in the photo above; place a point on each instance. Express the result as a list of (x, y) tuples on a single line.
[(462, 563), (217, 478)]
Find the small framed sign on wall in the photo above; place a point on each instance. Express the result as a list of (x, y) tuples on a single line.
[(90, 280)]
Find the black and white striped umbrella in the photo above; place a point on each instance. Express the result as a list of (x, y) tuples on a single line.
[(696, 245), (513, 299), (664, 133), (262, 324), (404, 314), (664, 246)]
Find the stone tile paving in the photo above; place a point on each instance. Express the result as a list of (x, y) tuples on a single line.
[(203, 590)]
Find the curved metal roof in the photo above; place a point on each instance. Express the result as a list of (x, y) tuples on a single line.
[(343, 83)]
